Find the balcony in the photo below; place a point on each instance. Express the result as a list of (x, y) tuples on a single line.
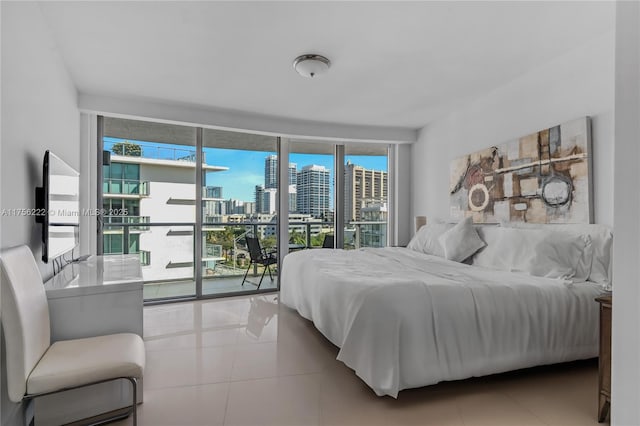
[(171, 272), (125, 187)]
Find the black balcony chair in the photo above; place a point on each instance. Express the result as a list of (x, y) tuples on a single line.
[(259, 256), (328, 241)]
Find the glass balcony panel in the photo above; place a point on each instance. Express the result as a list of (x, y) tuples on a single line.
[(309, 234), (125, 187), (166, 255), (365, 234), (226, 259), (239, 197)]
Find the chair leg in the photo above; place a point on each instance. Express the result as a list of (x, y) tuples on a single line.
[(246, 273), (270, 276), (262, 277), (134, 405)]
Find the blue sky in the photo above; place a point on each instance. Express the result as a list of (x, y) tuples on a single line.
[(246, 168)]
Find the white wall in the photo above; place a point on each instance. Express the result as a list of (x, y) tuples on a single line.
[(625, 398), (39, 112), (580, 83)]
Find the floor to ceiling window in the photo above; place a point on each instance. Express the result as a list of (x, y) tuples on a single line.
[(148, 196), (239, 203), (193, 202), (311, 194), (366, 201)]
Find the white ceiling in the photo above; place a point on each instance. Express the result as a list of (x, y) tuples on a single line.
[(393, 63)]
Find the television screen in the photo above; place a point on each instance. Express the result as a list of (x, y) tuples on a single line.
[(61, 207)]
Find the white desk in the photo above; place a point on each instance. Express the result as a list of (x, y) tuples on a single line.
[(102, 295)]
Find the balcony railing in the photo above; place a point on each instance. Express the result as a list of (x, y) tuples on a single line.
[(134, 223), (223, 248), (356, 234), (125, 187), (155, 151)]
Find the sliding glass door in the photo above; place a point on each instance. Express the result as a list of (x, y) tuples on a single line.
[(148, 197), (366, 201), (238, 202), (311, 194)]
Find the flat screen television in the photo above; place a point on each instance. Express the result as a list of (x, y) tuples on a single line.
[(58, 205)]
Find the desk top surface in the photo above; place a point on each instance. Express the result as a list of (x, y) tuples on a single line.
[(97, 274)]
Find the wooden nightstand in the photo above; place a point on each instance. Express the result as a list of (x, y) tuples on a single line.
[(604, 361)]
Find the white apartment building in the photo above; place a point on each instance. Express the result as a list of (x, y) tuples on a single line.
[(152, 190)]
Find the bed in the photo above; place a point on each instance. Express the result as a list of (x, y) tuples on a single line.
[(404, 318)]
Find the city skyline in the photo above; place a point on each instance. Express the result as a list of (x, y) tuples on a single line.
[(247, 168)]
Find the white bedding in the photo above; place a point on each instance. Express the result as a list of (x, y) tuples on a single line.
[(404, 319)]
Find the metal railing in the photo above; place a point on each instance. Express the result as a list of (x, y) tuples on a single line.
[(125, 186), (365, 234), (227, 254), (135, 223), (154, 151)]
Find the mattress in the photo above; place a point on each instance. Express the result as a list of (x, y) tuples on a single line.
[(404, 319)]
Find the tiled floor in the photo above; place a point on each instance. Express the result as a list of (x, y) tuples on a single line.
[(250, 361)]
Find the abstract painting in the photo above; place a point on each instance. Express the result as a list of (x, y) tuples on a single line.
[(540, 178)]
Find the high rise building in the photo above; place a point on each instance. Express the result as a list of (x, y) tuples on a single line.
[(249, 207), (362, 188), (271, 171), (271, 181), (293, 174), (259, 197), (312, 190), (269, 201)]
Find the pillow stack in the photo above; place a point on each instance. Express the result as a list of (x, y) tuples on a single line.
[(571, 252)]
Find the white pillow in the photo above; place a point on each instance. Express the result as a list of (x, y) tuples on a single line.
[(601, 244), (583, 268), (426, 239), (461, 241), (535, 252)]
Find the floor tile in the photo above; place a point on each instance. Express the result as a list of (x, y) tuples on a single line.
[(494, 409), (281, 401), (184, 367), (183, 406)]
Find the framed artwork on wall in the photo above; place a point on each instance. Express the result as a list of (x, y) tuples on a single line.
[(544, 177)]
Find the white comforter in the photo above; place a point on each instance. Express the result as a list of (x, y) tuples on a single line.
[(404, 319)]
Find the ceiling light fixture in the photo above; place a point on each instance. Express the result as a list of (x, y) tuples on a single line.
[(311, 65)]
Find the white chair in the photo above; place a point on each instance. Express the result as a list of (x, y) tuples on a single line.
[(35, 367)]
